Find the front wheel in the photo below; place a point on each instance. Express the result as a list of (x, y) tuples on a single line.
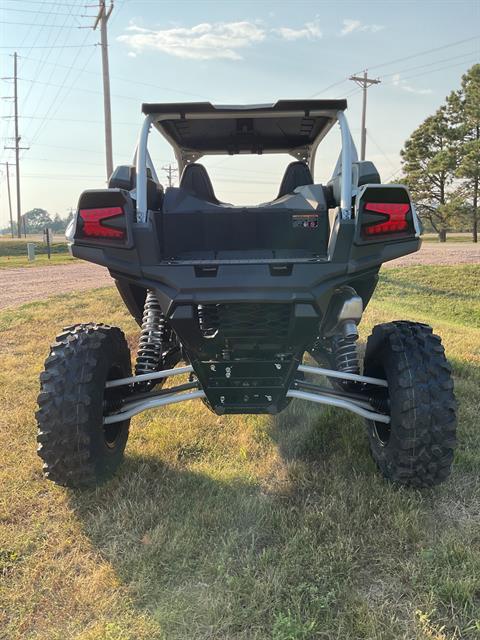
[(77, 449), (416, 448)]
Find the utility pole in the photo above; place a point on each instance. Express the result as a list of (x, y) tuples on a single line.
[(17, 146), (9, 198), (102, 17), (364, 82), (170, 171), (17, 142)]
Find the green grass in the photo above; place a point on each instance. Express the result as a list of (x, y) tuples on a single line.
[(451, 237), (11, 262), (449, 293), (241, 527), (13, 247)]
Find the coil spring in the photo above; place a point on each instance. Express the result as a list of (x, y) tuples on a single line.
[(346, 355), (152, 337)]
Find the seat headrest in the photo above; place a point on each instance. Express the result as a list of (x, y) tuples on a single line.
[(297, 174), (196, 181), (363, 172)]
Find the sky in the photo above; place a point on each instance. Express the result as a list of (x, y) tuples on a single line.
[(225, 52)]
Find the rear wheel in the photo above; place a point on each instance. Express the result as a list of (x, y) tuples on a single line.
[(77, 449), (416, 448)]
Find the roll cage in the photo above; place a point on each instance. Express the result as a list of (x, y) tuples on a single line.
[(246, 129)]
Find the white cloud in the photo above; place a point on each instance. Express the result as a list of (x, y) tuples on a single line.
[(205, 41), (402, 84), (310, 31), (350, 26)]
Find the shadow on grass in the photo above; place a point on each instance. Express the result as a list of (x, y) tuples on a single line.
[(212, 555), (402, 286), (241, 557)]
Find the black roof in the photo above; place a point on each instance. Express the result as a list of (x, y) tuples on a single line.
[(208, 107), (288, 126)]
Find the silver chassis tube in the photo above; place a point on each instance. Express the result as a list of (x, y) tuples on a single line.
[(166, 373), (339, 402), (137, 407), (134, 408), (331, 373), (346, 185)]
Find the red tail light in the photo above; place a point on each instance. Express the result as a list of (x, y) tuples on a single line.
[(395, 219), (95, 222)]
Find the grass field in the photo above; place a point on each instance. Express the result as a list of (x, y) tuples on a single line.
[(242, 528), (14, 247), (13, 253), (11, 262), (451, 237)]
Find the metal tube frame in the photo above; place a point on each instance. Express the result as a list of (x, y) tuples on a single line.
[(155, 375), (141, 157), (350, 405), (346, 183), (332, 373), (137, 407), (143, 160), (360, 407)]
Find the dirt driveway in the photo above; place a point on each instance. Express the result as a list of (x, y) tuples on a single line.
[(18, 286), (28, 284), (436, 253)]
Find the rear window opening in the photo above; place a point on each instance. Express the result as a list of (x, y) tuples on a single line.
[(246, 179)]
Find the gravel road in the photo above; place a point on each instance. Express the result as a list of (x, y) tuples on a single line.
[(436, 254), (21, 285), (28, 284)]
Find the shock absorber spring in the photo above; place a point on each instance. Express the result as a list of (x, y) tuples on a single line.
[(152, 337), (345, 349)]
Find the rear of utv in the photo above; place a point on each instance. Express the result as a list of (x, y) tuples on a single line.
[(233, 298)]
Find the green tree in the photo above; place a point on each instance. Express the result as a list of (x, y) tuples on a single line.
[(36, 220), (464, 114), (59, 224), (429, 171)]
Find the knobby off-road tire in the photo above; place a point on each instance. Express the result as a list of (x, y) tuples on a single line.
[(76, 448), (416, 449)]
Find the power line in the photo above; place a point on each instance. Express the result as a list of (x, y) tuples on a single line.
[(387, 159), (130, 81), (65, 46), (63, 161), (415, 55), (45, 118), (36, 39), (45, 2), (424, 73), (40, 66), (422, 53), (68, 148), (38, 12), (34, 24), (331, 86), (55, 100), (430, 64)]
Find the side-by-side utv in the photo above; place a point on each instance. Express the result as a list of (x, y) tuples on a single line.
[(238, 295)]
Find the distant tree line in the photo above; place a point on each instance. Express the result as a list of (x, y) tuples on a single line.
[(36, 220), (441, 162)]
